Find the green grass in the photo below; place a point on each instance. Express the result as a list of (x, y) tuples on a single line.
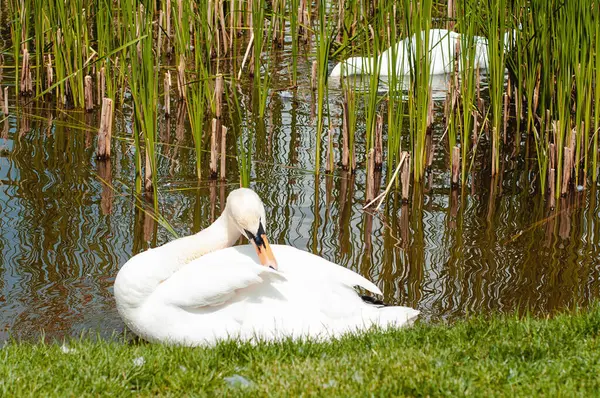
[(481, 357)]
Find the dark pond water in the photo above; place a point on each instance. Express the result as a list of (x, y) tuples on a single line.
[(493, 247)]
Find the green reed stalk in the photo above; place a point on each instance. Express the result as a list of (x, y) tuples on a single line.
[(596, 103), (465, 14), (566, 52), (419, 22), (584, 61), (262, 78), (105, 31), (195, 109), (39, 25), (395, 93), (373, 46), (182, 30), (258, 32), (531, 38), (293, 16), (70, 46), (18, 10), (244, 142), (144, 86), (324, 39), (496, 27), (196, 97)]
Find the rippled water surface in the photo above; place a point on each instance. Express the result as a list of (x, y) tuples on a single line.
[(67, 222)]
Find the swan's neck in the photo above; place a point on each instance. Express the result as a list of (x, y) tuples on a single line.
[(219, 235), (140, 276), (353, 66)]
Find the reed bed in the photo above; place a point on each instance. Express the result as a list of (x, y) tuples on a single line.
[(541, 85)]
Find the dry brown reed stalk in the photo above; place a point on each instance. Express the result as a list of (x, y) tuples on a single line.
[(329, 153), (98, 88), (87, 94), (167, 93), (225, 39), (275, 21), (218, 95), (567, 168), (102, 85), (180, 122), (379, 142), (213, 149), (494, 150), (345, 136), (340, 36), (429, 150), (303, 20), (505, 121), (370, 190), (26, 79), (455, 165), (148, 177), (105, 131), (451, 12), (168, 28), (5, 103), (552, 183), (159, 38), (49, 73), (223, 152), (405, 176), (248, 49), (181, 83)]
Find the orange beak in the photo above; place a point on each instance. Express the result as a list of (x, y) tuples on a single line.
[(264, 252)]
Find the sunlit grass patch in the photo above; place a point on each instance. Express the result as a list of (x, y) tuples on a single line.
[(481, 357)]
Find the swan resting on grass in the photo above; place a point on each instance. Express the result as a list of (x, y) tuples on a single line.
[(442, 52), (198, 290)]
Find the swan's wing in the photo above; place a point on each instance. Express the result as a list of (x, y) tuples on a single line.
[(301, 265), (211, 281)]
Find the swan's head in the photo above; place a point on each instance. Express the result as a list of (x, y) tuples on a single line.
[(247, 212)]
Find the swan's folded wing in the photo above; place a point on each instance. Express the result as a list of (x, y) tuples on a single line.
[(204, 284), (301, 265)]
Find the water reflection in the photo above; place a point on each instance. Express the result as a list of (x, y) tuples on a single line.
[(68, 222)]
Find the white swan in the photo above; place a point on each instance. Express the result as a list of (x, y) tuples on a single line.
[(442, 52), (198, 290)]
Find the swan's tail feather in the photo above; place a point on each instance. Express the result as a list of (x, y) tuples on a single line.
[(395, 316)]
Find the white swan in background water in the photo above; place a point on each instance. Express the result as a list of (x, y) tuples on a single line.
[(441, 47), (198, 290)]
